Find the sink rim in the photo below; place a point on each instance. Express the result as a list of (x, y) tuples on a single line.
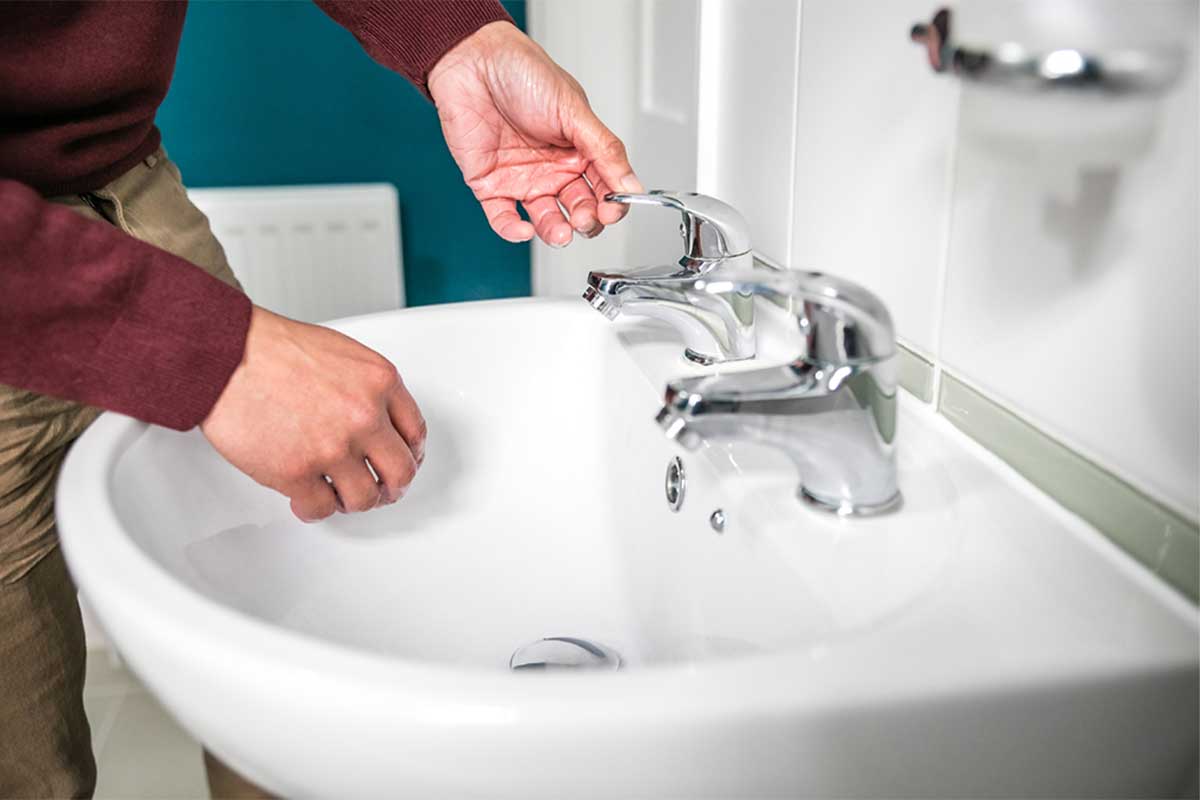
[(96, 544)]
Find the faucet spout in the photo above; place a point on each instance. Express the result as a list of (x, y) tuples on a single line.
[(831, 410), (715, 327)]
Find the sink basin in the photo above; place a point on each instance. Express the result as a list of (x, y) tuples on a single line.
[(981, 641)]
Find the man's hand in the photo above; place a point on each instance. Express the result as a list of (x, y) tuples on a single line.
[(521, 129), (307, 404)]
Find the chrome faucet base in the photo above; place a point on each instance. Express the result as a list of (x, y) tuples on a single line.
[(844, 508), (705, 360), (831, 409)]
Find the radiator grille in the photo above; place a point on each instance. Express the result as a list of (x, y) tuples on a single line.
[(313, 253)]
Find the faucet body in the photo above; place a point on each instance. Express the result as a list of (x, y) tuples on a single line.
[(831, 410), (716, 327)]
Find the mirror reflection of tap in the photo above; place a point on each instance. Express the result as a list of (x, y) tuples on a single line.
[(1016, 67), (716, 327)]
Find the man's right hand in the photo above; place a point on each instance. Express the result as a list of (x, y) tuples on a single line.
[(308, 403)]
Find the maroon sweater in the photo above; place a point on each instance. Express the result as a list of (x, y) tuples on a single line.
[(86, 312)]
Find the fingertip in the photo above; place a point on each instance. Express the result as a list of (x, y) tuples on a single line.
[(517, 232), (300, 515), (585, 223), (560, 235), (631, 184), (611, 213)]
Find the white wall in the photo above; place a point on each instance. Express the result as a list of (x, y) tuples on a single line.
[(1071, 291), (637, 60), (1053, 267)]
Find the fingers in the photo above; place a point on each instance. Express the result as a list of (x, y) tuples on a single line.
[(607, 156), (312, 499), (606, 213), (393, 463), (351, 486), (548, 220), (408, 421), (580, 202), (505, 221), (355, 486)]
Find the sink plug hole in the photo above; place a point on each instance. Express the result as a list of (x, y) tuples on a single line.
[(676, 483), (564, 652)]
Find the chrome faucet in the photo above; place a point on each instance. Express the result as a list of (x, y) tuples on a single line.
[(715, 326), (832, 409)]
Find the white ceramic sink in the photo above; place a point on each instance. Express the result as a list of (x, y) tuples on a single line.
[(980, 641)]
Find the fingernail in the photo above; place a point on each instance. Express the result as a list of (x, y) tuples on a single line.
[(630, 183), (591, 232)]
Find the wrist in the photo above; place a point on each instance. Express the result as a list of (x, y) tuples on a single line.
[(475, 49)]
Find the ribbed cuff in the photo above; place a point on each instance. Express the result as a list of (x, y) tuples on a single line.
[(170, 354), (411, 36)]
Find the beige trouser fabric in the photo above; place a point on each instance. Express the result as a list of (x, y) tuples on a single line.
[(45, 744)]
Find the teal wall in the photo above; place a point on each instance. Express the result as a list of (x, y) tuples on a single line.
[(278, 93)]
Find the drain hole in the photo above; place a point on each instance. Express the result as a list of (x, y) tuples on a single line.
[(564, 652), (676, 483)]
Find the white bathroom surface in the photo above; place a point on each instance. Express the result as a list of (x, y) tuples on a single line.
[(141, 752), (980, 641)]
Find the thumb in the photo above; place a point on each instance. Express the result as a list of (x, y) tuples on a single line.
[(605, 151)]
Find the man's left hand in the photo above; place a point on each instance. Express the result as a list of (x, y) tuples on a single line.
[(521, 129)]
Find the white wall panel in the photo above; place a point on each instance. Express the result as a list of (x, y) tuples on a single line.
[(874, 143), (748, 98), (1072, 291)]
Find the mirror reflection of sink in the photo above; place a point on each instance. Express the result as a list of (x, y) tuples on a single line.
[(971, 643)]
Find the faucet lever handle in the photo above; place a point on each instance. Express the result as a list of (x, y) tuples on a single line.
[(712, 230)]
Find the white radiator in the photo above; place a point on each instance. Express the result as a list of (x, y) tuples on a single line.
[(313, 253)]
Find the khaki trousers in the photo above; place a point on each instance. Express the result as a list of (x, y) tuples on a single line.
[(45, 742)]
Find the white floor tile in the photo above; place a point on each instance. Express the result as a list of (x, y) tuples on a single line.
[(101, 713), (147, 755), (106, 674), (141, 752)]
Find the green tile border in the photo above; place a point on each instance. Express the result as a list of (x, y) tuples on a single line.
[(915, 372), (1162, 540)]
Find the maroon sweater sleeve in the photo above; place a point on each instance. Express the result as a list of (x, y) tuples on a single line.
[(91, 314), (410, 36)]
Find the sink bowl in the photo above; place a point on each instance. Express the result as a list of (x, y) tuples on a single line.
[(981, 641)]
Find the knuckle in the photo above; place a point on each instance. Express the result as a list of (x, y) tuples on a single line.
[(614, 149), (296, 472), (362, 415), (382, 375), (330, 450)]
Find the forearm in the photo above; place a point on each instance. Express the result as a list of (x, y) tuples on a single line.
[(91, 314), (410, 36)]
